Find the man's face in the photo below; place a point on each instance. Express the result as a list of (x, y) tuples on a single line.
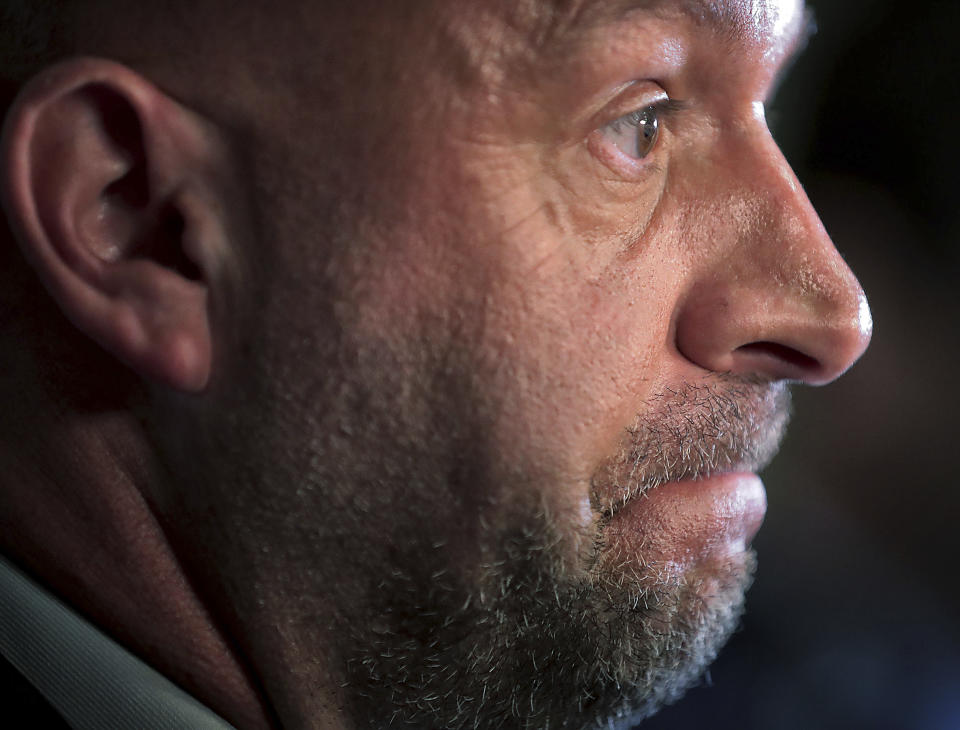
[(531, 278)]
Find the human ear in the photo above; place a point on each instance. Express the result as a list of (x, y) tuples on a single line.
[(111, 189)]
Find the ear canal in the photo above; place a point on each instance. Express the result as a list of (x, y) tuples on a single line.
[(167, 248)]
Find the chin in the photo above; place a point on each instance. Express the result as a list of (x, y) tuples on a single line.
[(535, 648), (679, 631)]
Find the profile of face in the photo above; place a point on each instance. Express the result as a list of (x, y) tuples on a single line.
[(517, 292)]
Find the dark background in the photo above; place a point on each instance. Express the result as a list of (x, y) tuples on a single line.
[(854, 619)]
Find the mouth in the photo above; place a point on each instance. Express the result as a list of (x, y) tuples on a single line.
[(689, 524), (683, 487), (694, 435)]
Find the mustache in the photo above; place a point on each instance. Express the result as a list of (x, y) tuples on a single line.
[(720, 424)]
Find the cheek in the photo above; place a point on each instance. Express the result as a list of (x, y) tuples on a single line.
[(575, 356), (557, 317)]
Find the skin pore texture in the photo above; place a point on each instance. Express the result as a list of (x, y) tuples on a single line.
[(432, 406)]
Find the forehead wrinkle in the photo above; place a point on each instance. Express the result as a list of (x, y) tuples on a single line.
[(732, 20), (518, 34)]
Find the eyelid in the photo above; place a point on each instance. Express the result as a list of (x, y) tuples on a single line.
[(626, 103), (669, 108)]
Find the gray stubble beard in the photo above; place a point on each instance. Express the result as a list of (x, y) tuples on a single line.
[(530, 649), (529, 643), (427, 636)]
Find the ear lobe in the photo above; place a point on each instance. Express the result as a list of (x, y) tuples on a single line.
[(111, 190)]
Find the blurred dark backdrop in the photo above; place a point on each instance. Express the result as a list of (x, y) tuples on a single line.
[(854, 619)]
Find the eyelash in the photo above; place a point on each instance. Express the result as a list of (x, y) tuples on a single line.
[(666, 110)]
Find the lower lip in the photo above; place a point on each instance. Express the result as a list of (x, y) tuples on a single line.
[(680, 525)]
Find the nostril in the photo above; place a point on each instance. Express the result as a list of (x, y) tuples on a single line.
[(782, 354)]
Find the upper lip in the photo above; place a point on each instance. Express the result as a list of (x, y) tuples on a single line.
[(719, 425)]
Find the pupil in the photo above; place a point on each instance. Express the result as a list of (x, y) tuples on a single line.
[(648, 127)]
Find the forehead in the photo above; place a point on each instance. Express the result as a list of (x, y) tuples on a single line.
[(741, 18), (512, 37), (769, 26)]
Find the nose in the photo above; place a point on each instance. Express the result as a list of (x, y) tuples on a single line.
[(776, 299)]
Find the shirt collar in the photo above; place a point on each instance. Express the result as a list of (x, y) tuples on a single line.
[(92, 681)]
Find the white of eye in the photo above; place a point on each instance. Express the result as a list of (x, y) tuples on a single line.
[(635, 134)]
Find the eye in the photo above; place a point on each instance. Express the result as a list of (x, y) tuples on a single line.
[(634, 134)]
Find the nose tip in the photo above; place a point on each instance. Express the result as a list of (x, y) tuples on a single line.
[(815, 353), (859, 332), (778, 301), (771, 332)]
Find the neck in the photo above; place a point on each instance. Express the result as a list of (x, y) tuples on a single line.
[(73, 513)]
